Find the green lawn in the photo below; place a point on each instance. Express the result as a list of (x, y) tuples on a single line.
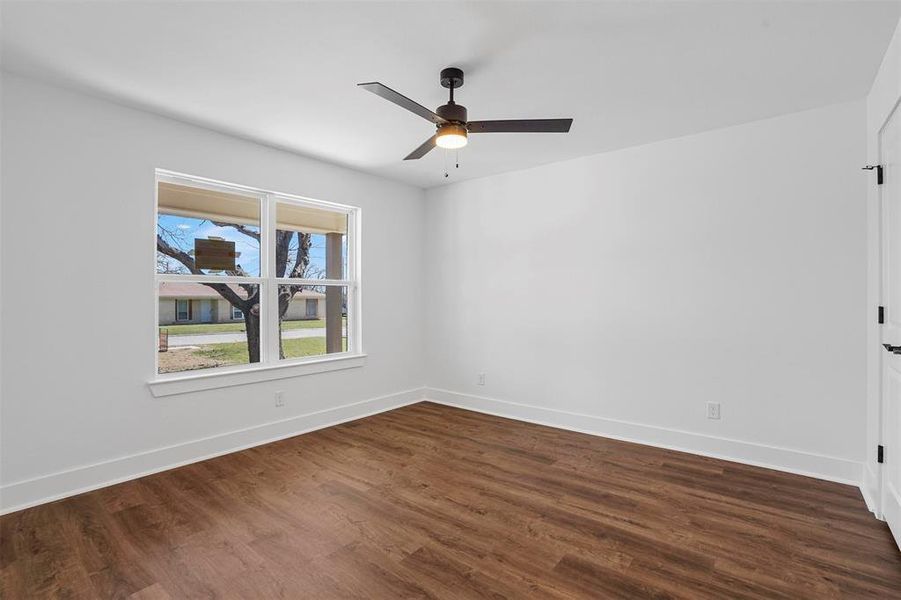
[(236, 354), (208, 356), (194, 329)]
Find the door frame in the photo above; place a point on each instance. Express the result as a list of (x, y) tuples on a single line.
[(882, 241)]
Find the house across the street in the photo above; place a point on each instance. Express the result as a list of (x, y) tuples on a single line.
[(193, 303)]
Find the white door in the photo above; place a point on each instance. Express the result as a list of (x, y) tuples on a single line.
[(890, 194)]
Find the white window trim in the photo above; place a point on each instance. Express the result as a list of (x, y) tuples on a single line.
[(232, 376), (234, 310), (165, 384)]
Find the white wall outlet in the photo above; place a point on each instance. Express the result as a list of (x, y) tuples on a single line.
[(713, 410), (279, 399), (481, 380)]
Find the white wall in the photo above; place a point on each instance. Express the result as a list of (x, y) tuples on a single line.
[(78, 223), (883, 97), (728, 266), (615, 294)]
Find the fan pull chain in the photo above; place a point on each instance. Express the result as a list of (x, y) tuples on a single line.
[(456, 161)]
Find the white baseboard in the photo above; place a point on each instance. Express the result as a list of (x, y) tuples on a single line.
[(47, 488), (869, 488), (892, 511), (771, 457)]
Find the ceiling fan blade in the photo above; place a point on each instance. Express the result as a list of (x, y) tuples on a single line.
[(521, 126), (414, 107), (423, 149)]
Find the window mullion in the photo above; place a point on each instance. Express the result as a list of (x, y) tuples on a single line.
[(353, 268), (191, 278), (264, 274), (352, 219), (271, 286), (315, 282)]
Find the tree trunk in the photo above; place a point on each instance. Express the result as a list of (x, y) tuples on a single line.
[(252, 325), (285, 293)]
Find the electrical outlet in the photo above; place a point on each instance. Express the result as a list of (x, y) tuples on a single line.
[(279, 399), (481, 380), (713, 410)]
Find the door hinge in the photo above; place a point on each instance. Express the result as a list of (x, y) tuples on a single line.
[(880, 454), (878, 169), (881, 315)]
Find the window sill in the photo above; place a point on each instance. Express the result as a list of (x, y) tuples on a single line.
[(184, 384)]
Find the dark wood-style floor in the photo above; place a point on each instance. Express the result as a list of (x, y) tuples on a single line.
[(430, 501)]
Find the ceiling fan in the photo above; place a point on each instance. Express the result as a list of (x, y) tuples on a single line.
[(450, 118)]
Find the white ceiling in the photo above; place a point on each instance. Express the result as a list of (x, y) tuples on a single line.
[(284, 73)]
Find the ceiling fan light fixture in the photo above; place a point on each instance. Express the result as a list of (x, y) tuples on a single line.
[(453, 121), (451, 137)]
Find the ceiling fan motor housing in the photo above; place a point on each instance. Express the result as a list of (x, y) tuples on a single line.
[(452, 112)]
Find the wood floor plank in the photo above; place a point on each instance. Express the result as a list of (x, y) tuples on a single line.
[(429, 501)]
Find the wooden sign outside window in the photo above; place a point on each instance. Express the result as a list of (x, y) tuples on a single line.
[(215, 255)]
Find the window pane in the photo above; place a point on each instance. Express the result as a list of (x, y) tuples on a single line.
[(313, 320), (207, 232), (200, 327), (310, 243)]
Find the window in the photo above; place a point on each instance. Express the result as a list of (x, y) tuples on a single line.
[(252, 278), (182, 310)]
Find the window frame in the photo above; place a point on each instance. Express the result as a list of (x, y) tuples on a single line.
[(270, 364), (235, 309)]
